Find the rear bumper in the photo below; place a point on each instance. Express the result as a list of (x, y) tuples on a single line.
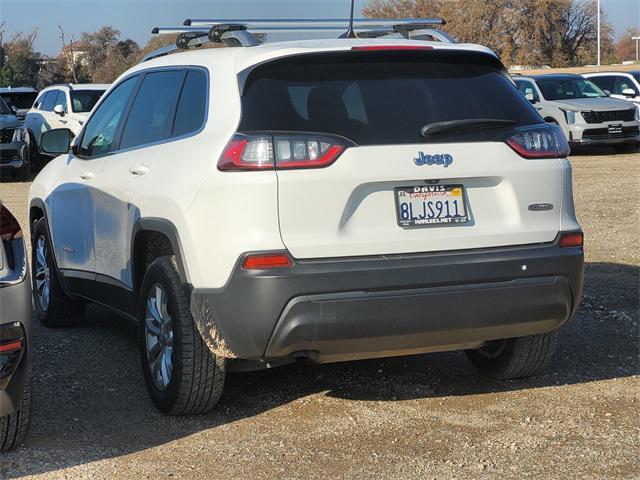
[(332, 310)]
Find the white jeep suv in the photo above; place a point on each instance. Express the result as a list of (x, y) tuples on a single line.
[(321, 200)]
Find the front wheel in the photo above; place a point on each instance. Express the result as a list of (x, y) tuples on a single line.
[(514, 357), (183, 377)]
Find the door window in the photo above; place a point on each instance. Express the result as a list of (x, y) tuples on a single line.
[(100, 131), (61, 100), (622, 84), (152, 111), (49, 101), (192, 105)]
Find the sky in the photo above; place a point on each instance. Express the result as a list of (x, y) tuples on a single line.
[(136, 18)]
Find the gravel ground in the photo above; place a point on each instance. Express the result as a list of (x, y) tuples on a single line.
[(427, 416)]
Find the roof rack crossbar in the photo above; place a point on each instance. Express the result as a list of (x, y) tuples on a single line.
[(239, 32), (252, 24)]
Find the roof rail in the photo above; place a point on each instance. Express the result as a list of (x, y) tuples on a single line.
[(196, 32)]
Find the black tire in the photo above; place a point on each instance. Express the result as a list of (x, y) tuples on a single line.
[(197, 375), (62, 310), (514, 357), (14, 427), (34, 155)]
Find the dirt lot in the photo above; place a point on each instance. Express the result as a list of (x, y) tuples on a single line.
[(426, 416)]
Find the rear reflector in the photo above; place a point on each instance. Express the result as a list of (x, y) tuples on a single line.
[(11, 347), (386, 48), (575, 239), (546, 141), (267, 261)]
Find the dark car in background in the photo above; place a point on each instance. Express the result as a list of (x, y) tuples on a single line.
[(15, 151), (15, 325), (19, 99)]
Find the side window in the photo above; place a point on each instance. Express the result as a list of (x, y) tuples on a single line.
[(192, 104), (61, 100), (99, 133), (528, 90), (152, 111), (623, 83), (49, 101), (605, 83)]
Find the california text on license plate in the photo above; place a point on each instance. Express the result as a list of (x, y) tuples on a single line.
[(430, 205)]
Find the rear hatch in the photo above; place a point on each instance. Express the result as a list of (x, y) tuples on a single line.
[(393, 189)]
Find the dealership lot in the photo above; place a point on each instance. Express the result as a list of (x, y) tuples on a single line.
[(426, 416)]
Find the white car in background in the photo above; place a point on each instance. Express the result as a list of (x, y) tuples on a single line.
[(62, 106), (622, 85), (586, 114)]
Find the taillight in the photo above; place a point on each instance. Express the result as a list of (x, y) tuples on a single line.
[(573, 239), (9, 226), (545, 141), (281, 151), (267, 261)]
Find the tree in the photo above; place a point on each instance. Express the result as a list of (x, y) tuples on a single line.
[(19, 63), (120, 57), (96, 47), (626, 47), (529, 32)]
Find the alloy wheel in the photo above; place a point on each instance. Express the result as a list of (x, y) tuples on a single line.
[(43, 275), (158, 326)]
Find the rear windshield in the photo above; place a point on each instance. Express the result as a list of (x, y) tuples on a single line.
[(20, 101), (84, 100), (381, 97)]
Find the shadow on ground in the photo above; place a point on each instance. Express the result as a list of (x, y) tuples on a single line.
[(90, 402)]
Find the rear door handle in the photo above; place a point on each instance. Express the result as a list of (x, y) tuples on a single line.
[(87, 175), (138, 170)]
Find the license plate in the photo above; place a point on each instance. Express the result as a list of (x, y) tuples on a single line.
[(430, 205), (615, 129)]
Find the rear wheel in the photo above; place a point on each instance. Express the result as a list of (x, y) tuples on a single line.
[(182, 375), (54, 307), (514, 357), (14, 427)]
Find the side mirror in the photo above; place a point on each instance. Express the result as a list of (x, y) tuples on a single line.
[(529, 96), (55, 142), (629, 92), (59, 109)]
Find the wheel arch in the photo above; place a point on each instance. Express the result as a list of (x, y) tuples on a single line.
[(164, 235)]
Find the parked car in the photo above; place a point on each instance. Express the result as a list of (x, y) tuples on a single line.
[(19, 99), (15, 325), (62, 106), (585, 113), (323, 200), (14, 144), (622, 85)]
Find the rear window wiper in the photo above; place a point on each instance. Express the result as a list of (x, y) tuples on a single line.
[(468, 124)]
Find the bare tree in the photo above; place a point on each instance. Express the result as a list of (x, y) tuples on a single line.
[(68, 54)]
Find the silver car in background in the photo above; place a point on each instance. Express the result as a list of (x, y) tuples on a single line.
[(15, 326), (586, 114)]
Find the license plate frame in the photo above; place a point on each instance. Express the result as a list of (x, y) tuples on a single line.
[(438, 192), (614, 130)]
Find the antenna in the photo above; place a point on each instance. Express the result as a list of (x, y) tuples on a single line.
[(350, 33)]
